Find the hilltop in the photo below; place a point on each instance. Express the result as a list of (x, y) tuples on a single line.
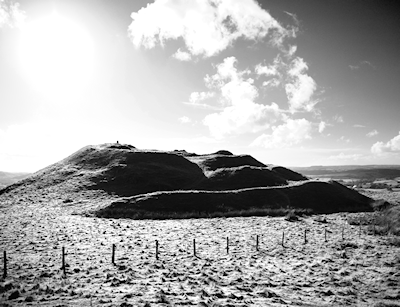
[(120, 180)]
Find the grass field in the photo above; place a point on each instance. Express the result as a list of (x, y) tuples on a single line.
[(353, 267)]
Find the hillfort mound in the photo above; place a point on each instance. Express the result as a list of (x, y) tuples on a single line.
[(119, 180)]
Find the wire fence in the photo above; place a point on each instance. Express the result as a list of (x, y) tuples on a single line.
[(68, 253)]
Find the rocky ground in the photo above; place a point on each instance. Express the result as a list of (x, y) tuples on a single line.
[(353, 267)]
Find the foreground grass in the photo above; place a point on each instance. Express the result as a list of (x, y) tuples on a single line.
[(385, 222)]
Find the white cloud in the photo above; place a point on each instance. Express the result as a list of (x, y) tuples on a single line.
[(338, 119), (196, 100), (185, 120), (359, 126), (343, 139), (372, 133), (240, 114), (196, 97), (10, 14), (274, 70), (362, 64), (342, 156), (392, 145), (268, 70), (206, 27), (300, 87), (321, 126), (241, 118), (293, 132), (182, 55)]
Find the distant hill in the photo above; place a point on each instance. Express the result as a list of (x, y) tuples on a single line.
[(10, 178), (121, 180), (357, 172)]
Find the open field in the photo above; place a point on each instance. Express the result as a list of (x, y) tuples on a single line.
[(53, 210), (359, 269)]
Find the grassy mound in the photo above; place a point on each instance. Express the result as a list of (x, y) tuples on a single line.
[(306, 197), (151, 181), (124, 170)]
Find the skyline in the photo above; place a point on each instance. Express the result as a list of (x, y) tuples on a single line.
[(291, 84)]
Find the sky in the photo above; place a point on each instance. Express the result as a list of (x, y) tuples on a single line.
[(292, 83)]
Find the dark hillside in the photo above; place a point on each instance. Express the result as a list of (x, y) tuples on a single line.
[(310, 197), (177, 181), (216, 161)]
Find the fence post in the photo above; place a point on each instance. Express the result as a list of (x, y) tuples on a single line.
[(305, 236), (227, 245), (157, 249), (342, 233), (63, 260), (113, 254), (257, 243), (283, 239), (5, 264), (325, 236), (194, 247)]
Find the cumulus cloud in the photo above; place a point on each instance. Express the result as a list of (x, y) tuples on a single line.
[(321, 126), (267, 70), (300, 87), (274, 72), (197, 99), (392, 145), (241, 114), (206, 27), (292, 132), (182, 55), (372, 133), (10, 14)]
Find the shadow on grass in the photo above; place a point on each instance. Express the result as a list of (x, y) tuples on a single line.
[(157, 215)]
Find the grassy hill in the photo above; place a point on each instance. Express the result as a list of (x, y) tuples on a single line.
[(141, 183)]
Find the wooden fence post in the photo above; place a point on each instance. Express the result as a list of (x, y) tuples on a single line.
[(257, 243), (194, 247), (305, 236), (157, 249), (227, 245), (63, 260), (283, 239), (5, 264), (325, 236), (113, 254)]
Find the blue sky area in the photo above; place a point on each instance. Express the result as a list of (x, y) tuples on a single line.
[(293, 83)]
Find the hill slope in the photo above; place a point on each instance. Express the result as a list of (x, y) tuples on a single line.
[(129, 179)]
